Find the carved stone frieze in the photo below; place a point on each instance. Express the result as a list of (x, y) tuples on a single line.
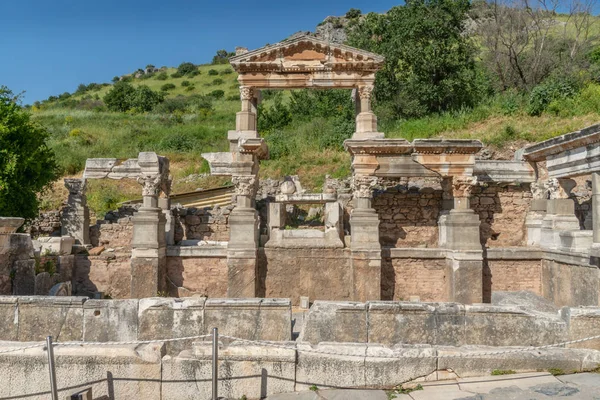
[(76, 187), (246, 92), (365, 92)]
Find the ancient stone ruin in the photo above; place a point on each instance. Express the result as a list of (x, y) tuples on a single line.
[(426, 250)]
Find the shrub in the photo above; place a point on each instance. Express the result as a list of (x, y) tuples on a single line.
[(545, 93), (186, 68), (353, 13), (194, 73), (233, 97), (176, 75), (190, 88), (126, 79), (217, 94), (75, 132), (275, 117), (213, 72), (217, 81), (222, 57), (115, 79), (162, 76), (117, 98), (178, 142), (82, 87), (226, 71), (167, 86), (185, 83), (144, 99)]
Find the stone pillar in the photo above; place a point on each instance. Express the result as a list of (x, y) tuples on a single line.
[(8, 227), (536, 213), (560, 213), (243, 239), (596, 214), (462, 240), (245, 120), (165, 205), (75, 220), (148, 256), (366, 120), (365, 246)]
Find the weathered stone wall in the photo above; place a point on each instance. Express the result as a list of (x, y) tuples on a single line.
[(408, 216), (320, 274), (203, 276), (47, 224), (202, 223), (402, 278), (502, 210), (108, 272), (113, 235)]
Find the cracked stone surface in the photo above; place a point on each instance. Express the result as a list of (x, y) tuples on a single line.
[(531, 386)]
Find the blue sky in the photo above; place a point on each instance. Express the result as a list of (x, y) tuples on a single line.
[(50, 46)]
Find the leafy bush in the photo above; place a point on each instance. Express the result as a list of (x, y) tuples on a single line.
[(353, 13), (168, 86), (233, 97), (545, 93), (217, 94), (180, 104), (190, 88), (185, 83), (162, 76), (213, 72), (226, 71), (117, 98), (176, 75), (275, 117), (144, 99), (27, 165), (115, 79), (222, 57), (217, 81), (178, 142), (194, 73), (186, 68)]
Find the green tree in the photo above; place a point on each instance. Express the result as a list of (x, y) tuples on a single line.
[(27, 165), (222, 57), (186, 68), (144, 99), (118, 98), (430, 61)]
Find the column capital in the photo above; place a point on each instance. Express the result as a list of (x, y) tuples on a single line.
[(246, 93), (245, 185), (362, 186), (560, 188), (462, 186), (75, 186), (151, 184), (365, 92)]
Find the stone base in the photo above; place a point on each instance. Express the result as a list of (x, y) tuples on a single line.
[(465, 270), (533, 223), (575, 241), (366, 268), (242, 273), (148, 277), (461, 230)]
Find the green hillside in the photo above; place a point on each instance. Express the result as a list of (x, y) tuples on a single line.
[(195, 117)]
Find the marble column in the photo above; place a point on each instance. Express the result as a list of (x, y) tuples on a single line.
[(365, 246), (148, 256), (460, 229), (366, 120), (242, 248), (245, 120), (75, 219), (536, 213)]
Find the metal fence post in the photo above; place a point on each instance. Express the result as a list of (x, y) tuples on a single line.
[(51, 367), (215, 363)]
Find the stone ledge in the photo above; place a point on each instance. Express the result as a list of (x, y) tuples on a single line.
[(197, 251), (413, 252), (515, 253)]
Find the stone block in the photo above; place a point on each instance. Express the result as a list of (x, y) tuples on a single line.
[(234, 317), (401, 322), (275, 320), (9, 314), (465, 363), (110, 320), (583, 322), (56, 245), (511, 326), (119, 372), (60, 317), (43, 283), (315, 367), (148, 276), (24, 280), (382, 370), (575, 241), (166, 318), (336, 322)]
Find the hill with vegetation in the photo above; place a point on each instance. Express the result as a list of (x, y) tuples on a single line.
[(507, 75)]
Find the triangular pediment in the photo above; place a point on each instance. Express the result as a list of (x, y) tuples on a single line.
[(306, 53)]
